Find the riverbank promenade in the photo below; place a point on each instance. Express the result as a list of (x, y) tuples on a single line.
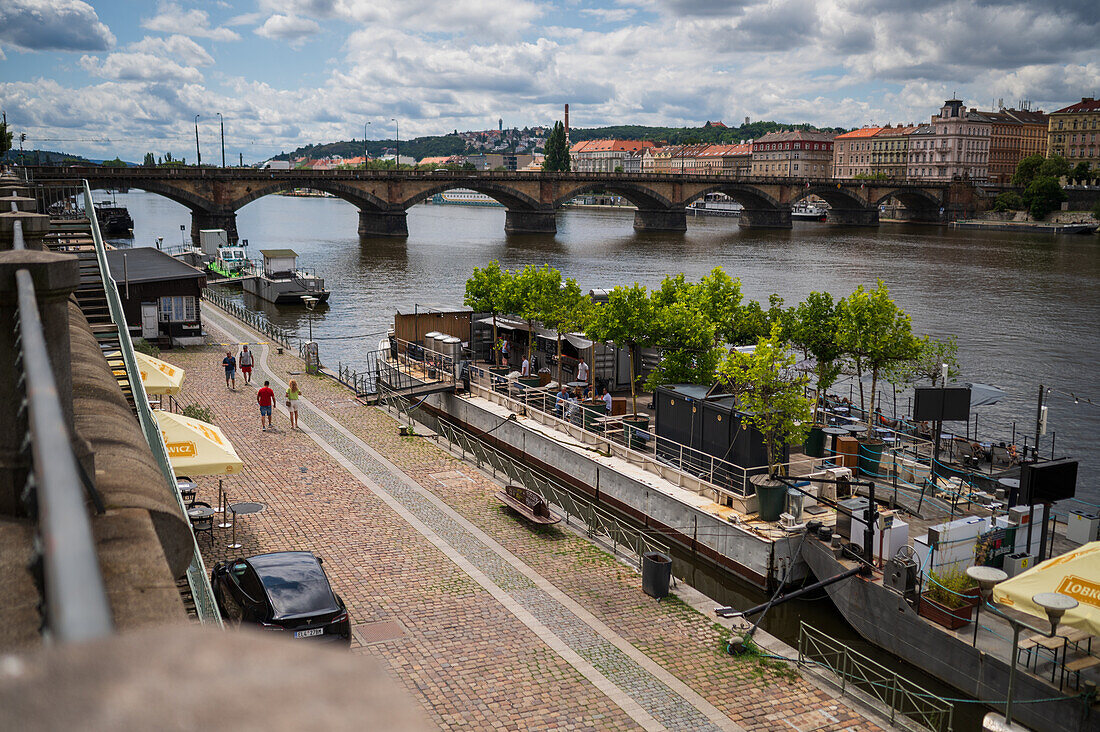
[(488, 622)]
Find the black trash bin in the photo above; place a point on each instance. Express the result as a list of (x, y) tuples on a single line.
[(656, 574)]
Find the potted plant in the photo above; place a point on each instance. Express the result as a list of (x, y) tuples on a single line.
[(627, 319), (878, 335), (950, 598), (773, 395)]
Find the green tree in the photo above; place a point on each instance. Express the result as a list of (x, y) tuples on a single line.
[(932, 354), (531, 294), (486, 292), (685, 337), (569, 312), (628, 320), (150, 161), (1027, 169), (557, 150), (1080, 173), (1009, 201), (772, 393), (876, 333), (5, 135), (116, 163), (1096, 211), (811, 327), (1055, 167), (1043, 195)]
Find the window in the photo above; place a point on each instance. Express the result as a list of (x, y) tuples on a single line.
[(177, 308)]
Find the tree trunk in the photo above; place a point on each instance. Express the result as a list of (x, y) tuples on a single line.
[(530, 341), (592, 368), (871, 412), (495, 352), (559, 358)]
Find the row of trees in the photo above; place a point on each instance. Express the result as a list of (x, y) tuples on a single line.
[(1041, 178), (695, 324)]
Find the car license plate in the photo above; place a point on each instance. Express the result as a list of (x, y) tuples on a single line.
[(309, 633)]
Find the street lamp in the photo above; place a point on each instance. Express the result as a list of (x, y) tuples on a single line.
[(365, 145), (310, 303), (312, 359), (198, 153), (397, 143), (1055, 604), (221, 123)]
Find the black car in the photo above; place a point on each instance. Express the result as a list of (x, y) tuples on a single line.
[(282, 591)]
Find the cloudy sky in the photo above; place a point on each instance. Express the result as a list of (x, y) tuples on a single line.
[(125, 76)]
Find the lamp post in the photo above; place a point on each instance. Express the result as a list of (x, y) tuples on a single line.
[(221, 123), (198, 153), (365, 145), (312, 359), (397, 143), (1055, 604)]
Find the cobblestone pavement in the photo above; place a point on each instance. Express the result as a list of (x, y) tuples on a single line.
[(548, 633)]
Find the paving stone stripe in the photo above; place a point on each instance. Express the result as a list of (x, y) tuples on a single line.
[(653, 697)]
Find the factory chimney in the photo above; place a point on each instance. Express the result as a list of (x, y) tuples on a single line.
[(566, 124)]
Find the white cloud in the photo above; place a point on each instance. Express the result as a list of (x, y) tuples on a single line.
[(152, 59), (171, 18), (53, 25), (290, 28)]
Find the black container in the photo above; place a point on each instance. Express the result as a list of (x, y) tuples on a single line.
[(813, 526), (825, 533), (656, 574)]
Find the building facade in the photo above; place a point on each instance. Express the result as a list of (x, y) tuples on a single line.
[(1074, 132), (890, 152), (954, 147), (1015, 135), (795, 153), (852, 152), (604, 156)]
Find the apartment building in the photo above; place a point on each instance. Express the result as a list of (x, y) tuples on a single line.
[(852, 152), (1072, 132), (794, 153), (604, 156)]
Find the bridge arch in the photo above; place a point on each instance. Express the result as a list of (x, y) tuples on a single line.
[(917, 199), (836, 196), (503, 194), (355, 196), (638, 194), (748, 196), (181, 196)]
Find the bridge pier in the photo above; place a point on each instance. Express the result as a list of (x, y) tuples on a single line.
[(383, 223), (519, 221), (853, 216), (209, 220), (766, 218), (664, 219)]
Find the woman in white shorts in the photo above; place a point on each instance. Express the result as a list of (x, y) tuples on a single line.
[(292, 396)]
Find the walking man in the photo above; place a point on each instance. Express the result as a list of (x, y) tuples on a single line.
[(525, 367), (245, 362), (582, 374), (230, 364), (606, 399), (266, 399)]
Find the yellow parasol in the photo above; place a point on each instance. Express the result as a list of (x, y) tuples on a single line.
[(1075, 574), (196, 447), (158, 377)]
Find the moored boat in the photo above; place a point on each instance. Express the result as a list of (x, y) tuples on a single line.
[(283, 282)]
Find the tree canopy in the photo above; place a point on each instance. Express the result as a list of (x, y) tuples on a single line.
[(1043, 195), (557, 150), (1027, 169), (5, 136)]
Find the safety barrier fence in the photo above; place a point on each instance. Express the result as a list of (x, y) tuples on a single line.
[(197, 578), (600, 525), (894, 691), (258, 321)]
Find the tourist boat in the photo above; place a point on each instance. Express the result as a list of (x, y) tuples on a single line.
[(282, 281), (464, 197), (809, 212)]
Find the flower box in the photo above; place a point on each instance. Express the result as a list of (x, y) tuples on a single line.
[(948, 617)]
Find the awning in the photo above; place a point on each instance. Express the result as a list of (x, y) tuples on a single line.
[(983, 394), (158, 377), (578, 342), (196, 447), (1076, 574)]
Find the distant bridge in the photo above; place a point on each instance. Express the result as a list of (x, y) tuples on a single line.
[(530, 199)]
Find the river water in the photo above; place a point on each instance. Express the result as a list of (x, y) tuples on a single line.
[(1025, 307)]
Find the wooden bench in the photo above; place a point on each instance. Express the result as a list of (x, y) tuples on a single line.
[(1077, 666), (528, 504)]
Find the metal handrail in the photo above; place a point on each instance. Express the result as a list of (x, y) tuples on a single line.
[(76, 598), (257, 321), (901, 695), (197, 578)]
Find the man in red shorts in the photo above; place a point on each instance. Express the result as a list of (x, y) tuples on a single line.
[(266, 399), (245, 362)]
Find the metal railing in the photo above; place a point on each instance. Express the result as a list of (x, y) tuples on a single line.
[(599, 525), (675, 462), (255, 320), (197, 577), (76, 606), (856, 670)]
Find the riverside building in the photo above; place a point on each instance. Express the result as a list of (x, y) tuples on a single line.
[(1074, 132)]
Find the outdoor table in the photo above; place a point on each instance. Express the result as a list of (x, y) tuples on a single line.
[(1053, 644), (201, 515), (242, 509), (833, 432), (854, 429), (187, 488), (1011, 486)]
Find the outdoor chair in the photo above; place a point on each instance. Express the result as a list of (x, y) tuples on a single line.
[(202, 523)]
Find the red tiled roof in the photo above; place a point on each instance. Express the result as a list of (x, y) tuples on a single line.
[(861, 132), (610, 146), (1087, 104)]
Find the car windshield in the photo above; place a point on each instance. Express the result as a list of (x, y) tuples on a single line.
[(295, 583)]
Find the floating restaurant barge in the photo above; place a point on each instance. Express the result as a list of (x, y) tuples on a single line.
[(709, 507)]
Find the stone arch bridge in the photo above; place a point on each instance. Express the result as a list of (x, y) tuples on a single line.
[(530, 199)]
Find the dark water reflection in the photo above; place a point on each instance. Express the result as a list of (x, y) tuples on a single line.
[(1025, 308)]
